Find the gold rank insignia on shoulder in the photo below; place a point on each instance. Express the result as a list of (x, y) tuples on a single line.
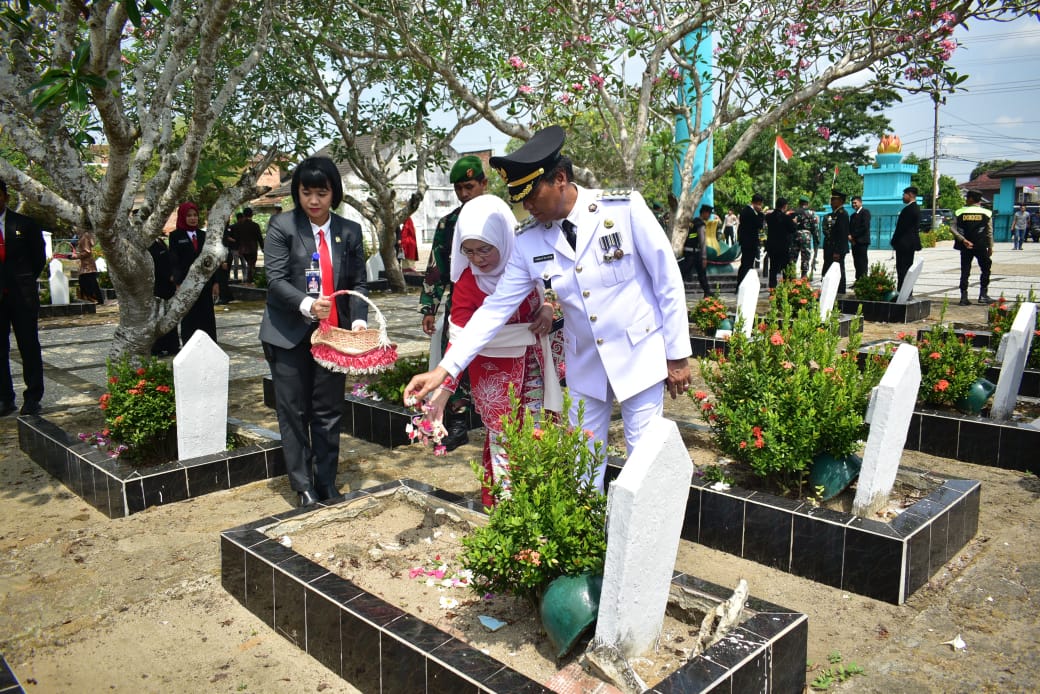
[(615, 194), (609, 223), (339, 240)]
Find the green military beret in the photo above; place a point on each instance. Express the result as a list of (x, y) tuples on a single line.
[(468, 168)]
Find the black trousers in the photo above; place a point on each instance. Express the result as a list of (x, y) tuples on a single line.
[(748, 256), (691, 261), (309, 404), (904, 259), (859, 259), (981, 254), (778, 262), (23, 319)]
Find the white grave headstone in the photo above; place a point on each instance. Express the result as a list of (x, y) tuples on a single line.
[(1016, 351), (909, 281), (891, 408), (373, 267), (200, 381), (829, 290), (645, 510), (59, 284), (747, 301)]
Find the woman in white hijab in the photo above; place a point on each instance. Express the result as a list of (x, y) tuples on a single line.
[(484, 237)]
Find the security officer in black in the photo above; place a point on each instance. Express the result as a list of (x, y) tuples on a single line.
[(695, 250), (973, 237)]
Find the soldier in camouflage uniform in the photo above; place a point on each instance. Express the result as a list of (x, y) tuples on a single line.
[(807, 235), (467, 176)]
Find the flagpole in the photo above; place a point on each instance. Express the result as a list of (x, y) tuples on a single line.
[(775, 147)]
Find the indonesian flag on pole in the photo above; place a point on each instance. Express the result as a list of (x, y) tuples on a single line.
[(783, 149)]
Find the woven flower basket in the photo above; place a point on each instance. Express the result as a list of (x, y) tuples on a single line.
[(354, 352)]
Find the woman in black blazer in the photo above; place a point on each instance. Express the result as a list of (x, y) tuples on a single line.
[(309, 397)]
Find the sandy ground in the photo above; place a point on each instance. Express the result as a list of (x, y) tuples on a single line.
[(90, 604)]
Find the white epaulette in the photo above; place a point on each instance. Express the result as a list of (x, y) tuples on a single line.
[(525, 225), (615, 194)]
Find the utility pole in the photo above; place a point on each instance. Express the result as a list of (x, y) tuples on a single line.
[(935, 158)]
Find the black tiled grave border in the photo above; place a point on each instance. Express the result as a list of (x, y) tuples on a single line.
[(884, 561), (1010, 445), (375, 421), (75, 307), (248, 292), (888, 312), (118, 489), (703, 345), (9, 684), (377, 647), (1030, 385), (975, 439)]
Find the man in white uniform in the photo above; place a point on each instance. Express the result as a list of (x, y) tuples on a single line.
[(605, 257)]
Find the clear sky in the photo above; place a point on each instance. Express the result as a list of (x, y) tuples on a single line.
[(995, 115)]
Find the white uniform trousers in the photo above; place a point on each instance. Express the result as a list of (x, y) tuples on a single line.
[(636, 412)]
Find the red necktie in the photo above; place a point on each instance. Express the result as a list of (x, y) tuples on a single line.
[(195, 242), (3, 248), (328, 284)]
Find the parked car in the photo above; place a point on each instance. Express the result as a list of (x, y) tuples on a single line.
[(945, 217)]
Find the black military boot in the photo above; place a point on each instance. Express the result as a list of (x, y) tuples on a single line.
[(457, 425), (984, 299), (964, 299)]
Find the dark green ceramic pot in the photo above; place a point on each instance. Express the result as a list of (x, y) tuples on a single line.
[(979, 392), (833, 474), (568, 607)]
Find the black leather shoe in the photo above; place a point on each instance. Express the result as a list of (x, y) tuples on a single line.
[(6, 408), (964, 301), (307, 498), (985, 300), (325, 493), (30, 408), (458, 433)]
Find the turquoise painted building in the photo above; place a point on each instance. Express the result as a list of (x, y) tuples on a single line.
[(883, 186)]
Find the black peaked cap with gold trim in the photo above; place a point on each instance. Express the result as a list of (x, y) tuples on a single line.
[(522, 169)]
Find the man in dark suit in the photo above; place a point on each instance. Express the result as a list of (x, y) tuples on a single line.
[(22, 258), (906, 239), (780, 235), (748, 231), (309, 397), (250, 240), (859, 224), (186, 242), (836, 236)]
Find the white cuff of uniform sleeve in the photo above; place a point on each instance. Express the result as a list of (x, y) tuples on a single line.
[(359, 325), (305, 307)]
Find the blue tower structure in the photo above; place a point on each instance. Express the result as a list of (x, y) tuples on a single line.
[(883, 186)]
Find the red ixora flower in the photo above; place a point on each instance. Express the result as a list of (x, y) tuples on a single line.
[(942, 385), (935, 355), (776, 338), (140, 371), (537, 434), (700, 395)]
